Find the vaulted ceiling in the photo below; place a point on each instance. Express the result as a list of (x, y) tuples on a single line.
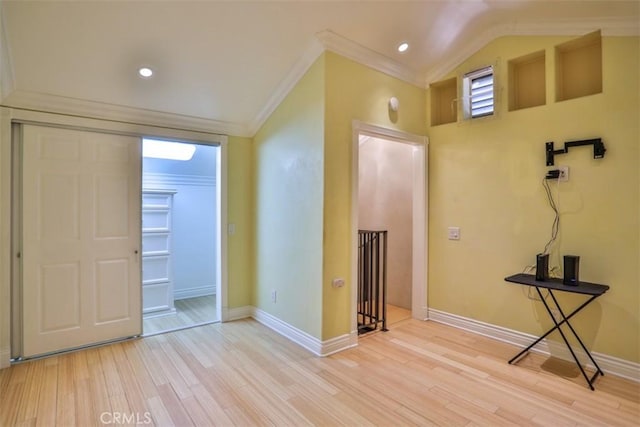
[(226, 64)]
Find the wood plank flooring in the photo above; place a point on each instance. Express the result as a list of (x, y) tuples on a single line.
[(396, 314), (241, 373), (189, 312)]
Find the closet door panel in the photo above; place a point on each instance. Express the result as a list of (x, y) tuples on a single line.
[(81, 281)]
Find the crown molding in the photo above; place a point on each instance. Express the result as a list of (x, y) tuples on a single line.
[(622, 26), (300, 68), (151, 180), (365, 56), (98, 110), (324, 40), (328, 40)]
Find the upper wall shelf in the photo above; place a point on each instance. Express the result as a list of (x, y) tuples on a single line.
[(579, 67), (443, 106), (578, 73), (527, 83)]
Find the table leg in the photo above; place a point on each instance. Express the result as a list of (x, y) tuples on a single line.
[(543, 336), (565, 319), (598, 370)]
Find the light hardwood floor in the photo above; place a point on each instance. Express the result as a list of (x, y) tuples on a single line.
[(396, 314), (241, 373), (189, 312)]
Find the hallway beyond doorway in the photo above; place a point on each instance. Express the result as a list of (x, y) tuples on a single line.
[(396, 314), (417, 250)]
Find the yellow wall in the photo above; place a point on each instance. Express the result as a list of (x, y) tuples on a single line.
[(302, 160), (288, 176), (353, 91), (485, 177), (240, 212)]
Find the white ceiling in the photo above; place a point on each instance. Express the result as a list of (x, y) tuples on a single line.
[(229, 62)]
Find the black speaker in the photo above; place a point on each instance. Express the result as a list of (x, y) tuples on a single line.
[(571, 270), (542, 267)]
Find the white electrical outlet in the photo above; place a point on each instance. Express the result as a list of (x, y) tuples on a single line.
[(274, 296), (338, 283), (564, 173)]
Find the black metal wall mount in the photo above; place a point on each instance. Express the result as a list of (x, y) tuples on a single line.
[(598, 148)]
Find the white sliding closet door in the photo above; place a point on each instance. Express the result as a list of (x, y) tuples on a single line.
[(81, 238)]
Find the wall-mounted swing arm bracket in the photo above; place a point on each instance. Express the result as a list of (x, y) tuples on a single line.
[(598, 148)]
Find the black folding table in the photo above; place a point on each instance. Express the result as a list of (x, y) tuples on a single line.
[(592, 290)]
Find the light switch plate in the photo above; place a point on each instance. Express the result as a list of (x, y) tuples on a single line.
[(454, 233)]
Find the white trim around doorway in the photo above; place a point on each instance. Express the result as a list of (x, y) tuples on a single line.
[(419, 306)]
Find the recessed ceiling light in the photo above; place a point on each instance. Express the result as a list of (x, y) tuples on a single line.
[(402, 47), (145, 72)]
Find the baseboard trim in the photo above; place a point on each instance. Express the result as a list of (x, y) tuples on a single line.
[(311, 343), (338, 344), (609, 364), (421, 314), (158, 313), (314, 345), (198, 291), (236, 313)]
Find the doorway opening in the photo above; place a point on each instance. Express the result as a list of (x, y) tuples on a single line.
[(180, 235), (389, 194)]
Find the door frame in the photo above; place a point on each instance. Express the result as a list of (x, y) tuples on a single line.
[(419, 305), (10, 244)]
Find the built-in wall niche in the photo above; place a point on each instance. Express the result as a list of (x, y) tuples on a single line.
[(579, 67), (527, 83), (443, 102)]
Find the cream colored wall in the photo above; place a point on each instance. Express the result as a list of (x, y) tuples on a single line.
[(288, 179), (353, 92), (385, 200), (240, 213), (485, 177)]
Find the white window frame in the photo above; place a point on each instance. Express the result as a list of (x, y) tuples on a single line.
[(468, 97)]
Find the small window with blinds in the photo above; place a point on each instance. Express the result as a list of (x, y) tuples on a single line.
[(478, 93)]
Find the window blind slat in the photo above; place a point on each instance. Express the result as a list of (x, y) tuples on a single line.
[(481, 98)]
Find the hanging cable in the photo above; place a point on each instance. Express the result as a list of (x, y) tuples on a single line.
[(555, 227)]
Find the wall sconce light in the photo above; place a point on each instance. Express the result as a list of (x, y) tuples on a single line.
[(394, 103)]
